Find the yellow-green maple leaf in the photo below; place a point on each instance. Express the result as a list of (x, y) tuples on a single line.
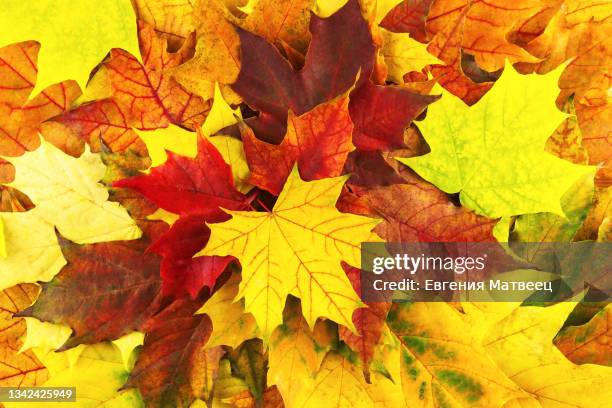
[(75, 35), (493, 152), (295, 249), (67, 194), (33, 253), (522, 346)]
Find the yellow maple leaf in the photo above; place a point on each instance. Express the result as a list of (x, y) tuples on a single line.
[(402, 54), (341, 380), (295, 352), (221, 116), (172, 138), (295, 249), (521, 345), (231, 325), (75, 35)]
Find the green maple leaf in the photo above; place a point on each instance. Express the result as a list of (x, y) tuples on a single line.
[(493, 152)]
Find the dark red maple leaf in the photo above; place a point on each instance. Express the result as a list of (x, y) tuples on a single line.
[(340, 50), (106, 290), (173, 356), (381, 113), (185, 186), (180, 272)]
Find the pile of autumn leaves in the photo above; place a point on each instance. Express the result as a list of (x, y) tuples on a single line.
[(231, 237)]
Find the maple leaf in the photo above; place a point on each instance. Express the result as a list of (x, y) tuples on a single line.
[(169, 370), (125, 296), (180, 272), (231, 326), (546, 227), (481, 29), (369, 321), (21, 117), (416, 211), (284, 24), (296, 351), (173, 138), (340, 379), (96, 370), (19, 368), (380, 115), (171, 19), (319, 141), (103, 120), (588, 343), (409, 17), (494, 155), (198, 186), (441, 362), (81, 212), (221, 116), (249, 361), (217, 53), (295, 249), (67, 27), (146, 93), (39, 258), (543, 371), (342, 40), (402, 54)]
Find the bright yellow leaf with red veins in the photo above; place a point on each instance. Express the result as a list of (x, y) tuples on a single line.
[(481, 28), (74, 35), (295, 249)]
